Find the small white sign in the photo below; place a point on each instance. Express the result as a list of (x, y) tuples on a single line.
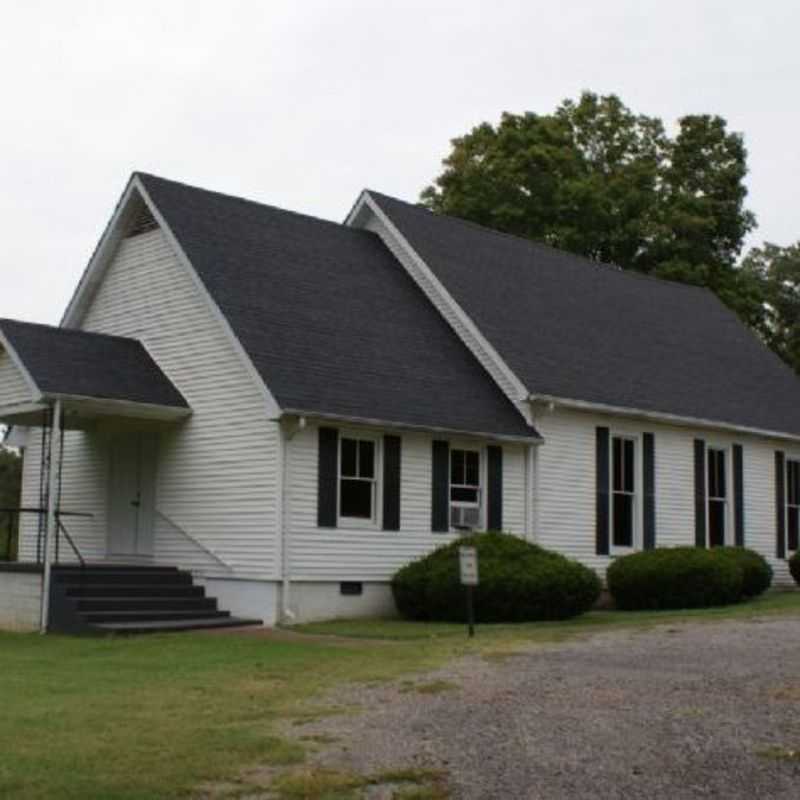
[(468, 561)]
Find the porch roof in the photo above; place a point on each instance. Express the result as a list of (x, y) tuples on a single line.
[(96, 369)]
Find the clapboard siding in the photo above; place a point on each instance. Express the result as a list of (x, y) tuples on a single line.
[(217, 471), (13, 386), (338, 554), (85, 472), (566, 481)]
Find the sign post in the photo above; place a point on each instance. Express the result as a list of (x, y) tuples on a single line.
[(468, 563)]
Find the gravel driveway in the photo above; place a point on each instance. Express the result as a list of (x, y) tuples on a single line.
[(690, 711)]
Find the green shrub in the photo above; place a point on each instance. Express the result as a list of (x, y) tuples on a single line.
[(519, 582), (756, 572), (794, 566), (675, 577)]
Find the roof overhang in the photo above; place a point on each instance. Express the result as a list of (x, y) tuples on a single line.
[(80, 412), (551, 401), (345, 419)]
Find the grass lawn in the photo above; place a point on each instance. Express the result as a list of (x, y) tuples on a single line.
[(159, 716)]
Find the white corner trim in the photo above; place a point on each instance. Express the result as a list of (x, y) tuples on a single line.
[(273, 409), (36, 393), (553, 401), (436, 292)]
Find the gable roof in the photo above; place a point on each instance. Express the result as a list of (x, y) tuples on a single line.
[(575, 329), (328, 317), (62, 361)]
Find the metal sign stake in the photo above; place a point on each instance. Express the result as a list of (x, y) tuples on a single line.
[(468, 566)]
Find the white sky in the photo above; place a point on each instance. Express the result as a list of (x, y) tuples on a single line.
[(302, 104)]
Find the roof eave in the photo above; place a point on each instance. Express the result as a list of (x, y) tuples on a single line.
[(373, 422), (679, 420)]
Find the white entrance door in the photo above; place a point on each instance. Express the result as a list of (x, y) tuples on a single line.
[(132, 495)]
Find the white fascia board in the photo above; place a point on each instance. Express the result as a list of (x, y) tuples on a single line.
[(273, 409), (101, 259), (36, 394), (101, 406), (370, 422), (554, 401), (473, 339)]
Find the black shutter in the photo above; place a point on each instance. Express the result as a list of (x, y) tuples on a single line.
[(601, 532), (738, 495), (391, 483), (440, 497), (699, 493), (649, 491), (780, 504), (494, 486), (327, 477)]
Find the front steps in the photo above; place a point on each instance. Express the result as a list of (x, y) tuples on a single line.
[(120, 598)]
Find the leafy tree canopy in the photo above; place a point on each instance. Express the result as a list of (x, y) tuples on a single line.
[(775, 273), (596, 179)]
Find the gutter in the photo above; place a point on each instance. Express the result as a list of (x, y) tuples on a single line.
[(551, 402)]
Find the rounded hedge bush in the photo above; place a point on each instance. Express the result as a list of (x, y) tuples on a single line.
[(756, 571), (794, 567), (519, 582), (676, 577)]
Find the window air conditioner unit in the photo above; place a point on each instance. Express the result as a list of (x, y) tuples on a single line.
[(465, 517)]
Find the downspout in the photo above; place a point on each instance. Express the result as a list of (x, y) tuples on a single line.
[(53, 467), (287, 615)]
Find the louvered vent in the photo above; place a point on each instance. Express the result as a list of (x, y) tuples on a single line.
[(143, 222)]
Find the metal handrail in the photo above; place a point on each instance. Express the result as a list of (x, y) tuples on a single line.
[(72, 544), (60, 528), (207, 550)]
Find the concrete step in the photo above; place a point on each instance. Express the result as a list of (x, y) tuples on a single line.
[(167, 626), (121, 602)]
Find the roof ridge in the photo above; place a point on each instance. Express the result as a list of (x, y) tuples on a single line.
[(534, 243), (248, 201)]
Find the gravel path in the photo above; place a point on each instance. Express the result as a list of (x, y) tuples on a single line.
[(693, 711)]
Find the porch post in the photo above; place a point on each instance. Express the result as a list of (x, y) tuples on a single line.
[(50, 534)]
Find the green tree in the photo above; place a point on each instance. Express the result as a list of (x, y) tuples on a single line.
[(776, 271), (10, 487), (596, 179)]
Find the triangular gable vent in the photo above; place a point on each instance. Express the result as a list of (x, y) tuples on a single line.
[(143, 222)]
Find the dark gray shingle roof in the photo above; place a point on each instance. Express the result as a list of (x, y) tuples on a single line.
[(572, 328), (330, 319), (71, 362)]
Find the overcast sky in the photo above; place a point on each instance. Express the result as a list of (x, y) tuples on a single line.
[(302, 104)]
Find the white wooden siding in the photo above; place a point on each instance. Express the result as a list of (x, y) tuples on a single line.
[(217, 471), (85, 470), (13, 386), (567, 490), (337, 554)]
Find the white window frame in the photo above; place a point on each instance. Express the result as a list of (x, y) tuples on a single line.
[(638, 482), (370, 523), (727, 534), (786, 505), (480, 505)]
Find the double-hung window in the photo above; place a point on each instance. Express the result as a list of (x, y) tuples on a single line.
[(792, 504), (717, 477), (357, 482), (465, 477), (623, 492), (465, 489)]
